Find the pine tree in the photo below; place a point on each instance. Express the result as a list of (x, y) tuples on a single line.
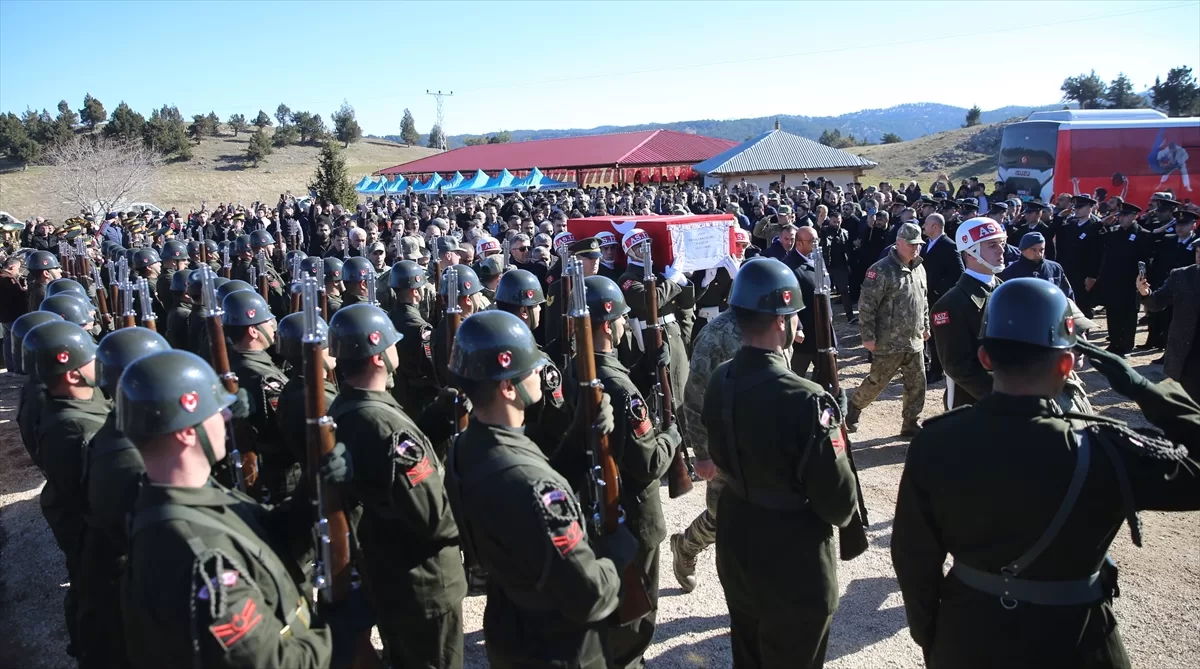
[(285, 135), (167, 133), (16, 142), (345, 126), (262, 120), (408, 129), (1178, 95), (1086, 89), (125, 123), (1120, 94), (93, 112), (331, 180), (214, 124), (890, 138), (66, 115), (973, 116), (201, 127), (282, 114), (436, 139), (259, 148), (237, 123)]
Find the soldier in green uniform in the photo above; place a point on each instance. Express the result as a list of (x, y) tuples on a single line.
[(356, 272), (1032, 585), (112, 477), (250, 329), (413, 573), (181, 311), (197, 327), (587, 250), (29, 406), (332, 280), (63, 356), (378, 259), (209, 578), (43, 268), (893, 318), (73, 308), (468, 286), (776, 437), (290, 413), (643, 457), (148, 265), (716, 343), (174, 259), (550, 593), (416, 385)]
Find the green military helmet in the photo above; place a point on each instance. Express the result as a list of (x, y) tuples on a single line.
[(260, 239), (357, 269), (230, 286), (105, 244), (219, 281), (195, 283), (41, 260), (129, 254), (242, 245), (115, 252), (174, 250), (224, 244), (244, 307), (292, 255), (20, 328), (55, 348), (58, 286), (494, 345), (406, 274), (360, 331), (605, 301), (145, 257), (193, 249), (308, 266), (179, 281), (1030, 311), (70, 305), (168, 391), (333, 270), (520, 288), (211, 246), (767, 286), (119, 348), (290, 338), (468, 281)]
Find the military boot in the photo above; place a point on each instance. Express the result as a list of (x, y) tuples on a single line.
[(683, 564), (852, 417), (910, 429)]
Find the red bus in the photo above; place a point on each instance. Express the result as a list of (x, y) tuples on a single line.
[(1133, 153)]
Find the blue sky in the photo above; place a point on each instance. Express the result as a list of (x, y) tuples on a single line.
[(518, 65)]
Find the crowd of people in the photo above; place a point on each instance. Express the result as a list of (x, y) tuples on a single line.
[(454, 382)]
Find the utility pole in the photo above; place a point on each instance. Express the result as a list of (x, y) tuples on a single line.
[(441, 100)]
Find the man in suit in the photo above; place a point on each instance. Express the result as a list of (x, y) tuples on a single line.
[(943, 266), (801, 260), (1181, 290)]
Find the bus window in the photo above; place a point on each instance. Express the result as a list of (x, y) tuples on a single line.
[(1029, 146)]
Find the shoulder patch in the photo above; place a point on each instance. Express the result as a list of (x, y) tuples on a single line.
[(627, 283), (227, 579), (560, 513), (236, 624), (552, 380), (639, 416), (426, 342), (941, 318), (872, 274), (412, 458)]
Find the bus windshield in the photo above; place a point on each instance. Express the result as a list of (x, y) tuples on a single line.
[(1029, 145)]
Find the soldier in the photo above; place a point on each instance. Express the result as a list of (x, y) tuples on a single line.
[(416, 383), (62, 356), (1172, 252), (608, 254), (113, 475), (250, 328), (356, 272), (290, 413), (333, 285), (1182, 291), (489, 272), (588, 250), (957, 315), (1077, 247), (717, 342), (197, 320), (468, 286), (74, 308), (148, 265), (1033, 586), (43, 268), (29, 406), (414, 575), (893, 318), (549, 594), (378, 259), (193, 538), (174, 258), (1124, 246), (177, 317), (783, 470)]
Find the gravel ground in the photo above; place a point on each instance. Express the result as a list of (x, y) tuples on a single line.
[(1159, 610)]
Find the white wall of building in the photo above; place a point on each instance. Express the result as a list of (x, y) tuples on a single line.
[(839, 177)]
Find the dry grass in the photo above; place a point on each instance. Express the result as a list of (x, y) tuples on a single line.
[(902, 162), (218, 172)]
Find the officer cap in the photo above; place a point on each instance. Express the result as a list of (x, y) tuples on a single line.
[(360, 331), (121, 347), (40, 260), (585, 248), (1186, 217), (174, 250), (767, 286), (1031, 239), (230, 286), (1033, 206), (20, 328), (468, 281), (244, 307), (261, 239), (997, 207), (166, 392), (290, 337), (242, 244), (145, 257), (405, 275), (1084, 201), (55, 348), (898, 198), (1030, 311), (333, 270), (494, 345), (65, 285), (179, 281), (71, 306), (910, 233), (605, 301), (520, 288), (357, 269), (969, 203), (1130, 209)]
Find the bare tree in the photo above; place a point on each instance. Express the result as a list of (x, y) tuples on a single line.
[(99, 173)]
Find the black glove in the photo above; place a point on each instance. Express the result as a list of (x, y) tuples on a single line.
[(240, 409), (620, 547), (346, 621), (447, 398), (605, 423), (843, 402), (1120, 375), (337, 467)]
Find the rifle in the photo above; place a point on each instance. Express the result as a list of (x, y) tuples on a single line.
[(264, 279), (245, 466), (319, 273), (372, 287), (453, 320), (439, 303), (129, 315), (66, 258), (296, 288), (101, 299), (603, 477), (203, 247), (112, 291), (679, 481), (852, 539), (82, 266), (148, 316), (226, 263), (565, 293)]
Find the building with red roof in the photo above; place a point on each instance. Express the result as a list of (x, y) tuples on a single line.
[(625, 157)]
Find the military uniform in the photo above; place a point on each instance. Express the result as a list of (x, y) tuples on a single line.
[(1115, 277), (37, 293), (956, 319), (671, 299), (1170, 253), (278, 470), (177, 325), (291, 415), (1077, 246)]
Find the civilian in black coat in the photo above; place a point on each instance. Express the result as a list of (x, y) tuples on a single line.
[(835, 244), (800, 259), (943, 266), (1033, 264)]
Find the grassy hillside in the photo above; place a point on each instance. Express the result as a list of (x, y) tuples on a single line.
[(962, 153), (217, 173)]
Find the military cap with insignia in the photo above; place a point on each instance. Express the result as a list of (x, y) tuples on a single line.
[(585, 248), (969, 203), (1084, 201), (1186, 216), (1130, 209)]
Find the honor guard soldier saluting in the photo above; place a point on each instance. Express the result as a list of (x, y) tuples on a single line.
[(1033, 585), (416, 385), (956, 317), (1125, 247), (549, 595), (209, 581), (776, 436), (113, 476), (413, 573)]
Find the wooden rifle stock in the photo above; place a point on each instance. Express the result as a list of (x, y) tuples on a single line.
[(606, 484), (852, 539), (245, 463), (567, 323), (264, 280), (453, 321)]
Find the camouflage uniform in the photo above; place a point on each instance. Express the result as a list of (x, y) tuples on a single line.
[(894, 312), (716, 343)]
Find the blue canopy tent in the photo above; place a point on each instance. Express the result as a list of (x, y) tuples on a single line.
[(397, 186), (477, 181), (363, 183), (431, 185), (453, 182), (375, 187), (538, 181), (500, 183)]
